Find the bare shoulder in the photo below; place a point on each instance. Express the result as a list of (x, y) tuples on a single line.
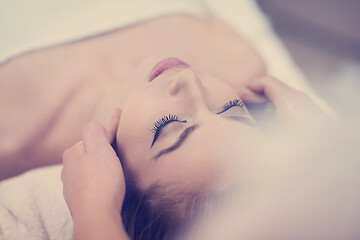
[(35, 97)]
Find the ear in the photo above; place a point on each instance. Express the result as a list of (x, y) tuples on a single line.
[(112, 126)]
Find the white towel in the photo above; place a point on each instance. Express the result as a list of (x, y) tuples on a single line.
[(32, 207)]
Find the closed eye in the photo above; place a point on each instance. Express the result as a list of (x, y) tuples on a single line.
[(231, 104), (161, 123)]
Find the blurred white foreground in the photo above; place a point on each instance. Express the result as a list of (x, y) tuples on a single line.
[(305, 186)]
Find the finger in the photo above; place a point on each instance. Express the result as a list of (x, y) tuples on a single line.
[(251, 97), (94, 137), (272, 88), (112, 127)]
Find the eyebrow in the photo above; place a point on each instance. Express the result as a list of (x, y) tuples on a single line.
[(178, 143)]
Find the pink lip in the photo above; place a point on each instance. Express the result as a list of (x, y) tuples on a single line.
[(164, 65)]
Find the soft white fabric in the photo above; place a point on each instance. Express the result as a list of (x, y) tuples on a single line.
[(31, 205)]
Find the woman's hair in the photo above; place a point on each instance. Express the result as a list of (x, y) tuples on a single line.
[(160, 212)]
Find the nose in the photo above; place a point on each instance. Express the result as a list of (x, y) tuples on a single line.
[(186, 84)]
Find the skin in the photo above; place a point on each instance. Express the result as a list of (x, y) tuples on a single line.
[(95, 164)]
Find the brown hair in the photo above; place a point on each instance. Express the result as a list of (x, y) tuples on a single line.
[(160, 212)]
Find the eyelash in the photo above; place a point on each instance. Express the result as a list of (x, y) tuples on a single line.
[(162, 122), (232, 103)]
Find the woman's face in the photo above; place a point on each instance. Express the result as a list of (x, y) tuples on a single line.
[(184, 127)]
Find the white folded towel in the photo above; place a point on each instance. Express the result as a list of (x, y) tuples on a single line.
[(32, 207)]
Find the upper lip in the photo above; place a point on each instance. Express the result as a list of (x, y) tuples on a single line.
[(164, 65)]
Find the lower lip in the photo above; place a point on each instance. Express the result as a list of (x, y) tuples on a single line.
[(164, 65)]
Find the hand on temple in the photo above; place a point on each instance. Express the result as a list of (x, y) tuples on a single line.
[(94, 183), (292, 108)]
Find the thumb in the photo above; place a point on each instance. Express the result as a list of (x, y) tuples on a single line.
[(94, 136)]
